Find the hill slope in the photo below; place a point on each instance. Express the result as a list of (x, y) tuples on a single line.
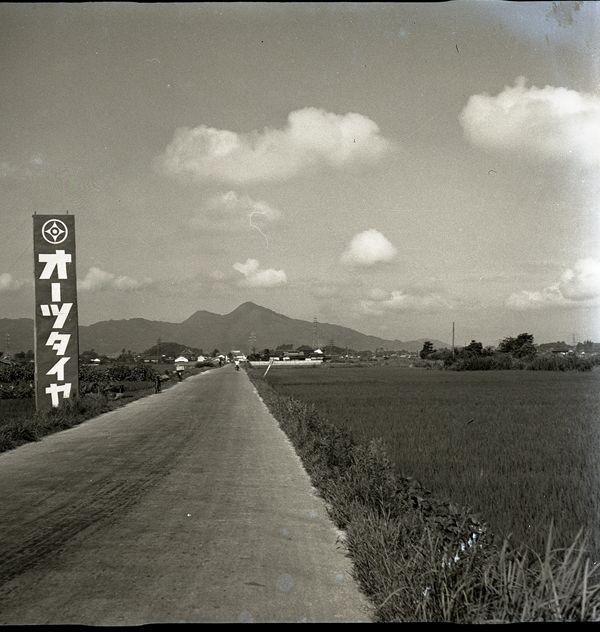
[(207, 330)]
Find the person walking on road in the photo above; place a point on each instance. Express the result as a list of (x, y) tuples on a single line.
[(157, 384), (237, 364)]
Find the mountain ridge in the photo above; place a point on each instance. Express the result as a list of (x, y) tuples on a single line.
[(207, 330)]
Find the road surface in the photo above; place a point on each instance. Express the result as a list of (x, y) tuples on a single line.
[(185, 506)]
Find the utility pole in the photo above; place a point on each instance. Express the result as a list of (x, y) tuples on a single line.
[(7, 346), (452, 338), (315, 341), (158, 351), (252, 343)]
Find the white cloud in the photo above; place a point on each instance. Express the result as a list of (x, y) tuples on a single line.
[(550, 122), (408, 300), (377, 294), (255, 277), (311, 137), (367, 249), (538, 299), (577, 286), (230, 211), (97, 280), (583, 282), (9, 284)]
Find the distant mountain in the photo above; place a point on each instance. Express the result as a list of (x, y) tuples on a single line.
[(208, 331), (18, 331)]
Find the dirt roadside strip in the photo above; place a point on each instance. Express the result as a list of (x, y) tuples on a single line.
[(185, 506)]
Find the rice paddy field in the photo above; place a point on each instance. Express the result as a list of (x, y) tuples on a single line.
[(520, 448)]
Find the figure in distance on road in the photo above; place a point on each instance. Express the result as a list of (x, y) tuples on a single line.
[(237, 364)]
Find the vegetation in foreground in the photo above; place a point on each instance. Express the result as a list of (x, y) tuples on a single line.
[(102, 388), (20, 423), (422, 559), (518, 447)]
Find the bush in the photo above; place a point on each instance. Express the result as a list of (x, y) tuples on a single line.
[(561, 363), (18, 390), (16, 373), (496, 362)]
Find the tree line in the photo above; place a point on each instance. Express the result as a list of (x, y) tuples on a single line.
[(519, 352)]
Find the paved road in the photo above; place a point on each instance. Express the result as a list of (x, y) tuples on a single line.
[(188, 505)]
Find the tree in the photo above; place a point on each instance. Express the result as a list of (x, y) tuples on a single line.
[(214, 353), (126, 357), (587, 346), (427, 349), (474, 348), (285, 347), (88, 356), (522, 346), (24, 356), (526, 350)]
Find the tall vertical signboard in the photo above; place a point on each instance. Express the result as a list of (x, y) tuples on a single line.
[(56, 325)]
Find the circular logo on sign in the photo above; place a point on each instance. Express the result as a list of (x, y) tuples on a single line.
[(54, 231)]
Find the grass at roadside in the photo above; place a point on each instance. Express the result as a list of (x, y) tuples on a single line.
[(517, 446), (418, 557), (20, 423)]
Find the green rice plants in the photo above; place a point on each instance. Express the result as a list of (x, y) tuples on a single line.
[(418, 556)]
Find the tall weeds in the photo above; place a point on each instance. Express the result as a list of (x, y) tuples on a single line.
[(22, 425)]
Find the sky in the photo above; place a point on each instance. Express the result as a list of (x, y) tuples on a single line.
[(391, 167)]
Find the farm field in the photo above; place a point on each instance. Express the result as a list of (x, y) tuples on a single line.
[(518, 447)]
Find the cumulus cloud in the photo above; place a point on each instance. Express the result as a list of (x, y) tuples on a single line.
[(579, 285), (231, 211), (9, 284), (97, 280), (550, 122), (255, 277), (408, 300), (537, 299), (368, 248), (311, 137), (582, 282)]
